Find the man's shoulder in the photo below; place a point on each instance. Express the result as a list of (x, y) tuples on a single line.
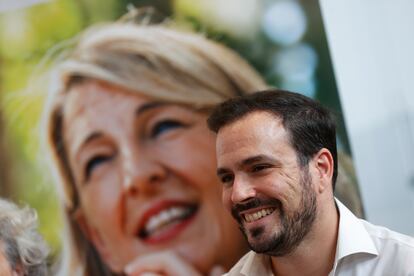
[(393, 247), (384, 236), (369, 249)]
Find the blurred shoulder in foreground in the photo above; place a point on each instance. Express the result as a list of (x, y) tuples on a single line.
[(23, 251)]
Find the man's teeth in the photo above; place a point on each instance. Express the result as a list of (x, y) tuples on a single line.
[(258, 215), (166, 216)]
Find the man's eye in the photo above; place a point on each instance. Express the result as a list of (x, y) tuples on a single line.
[(226, 179), (260, 167), (95, 162), (165, 125)]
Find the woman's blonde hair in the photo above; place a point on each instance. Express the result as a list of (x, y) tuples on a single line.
[(154, 60)]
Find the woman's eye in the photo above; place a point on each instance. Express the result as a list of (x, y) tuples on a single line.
[(95, 162), (163, 126)]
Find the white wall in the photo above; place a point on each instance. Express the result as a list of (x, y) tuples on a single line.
[(372, 48)]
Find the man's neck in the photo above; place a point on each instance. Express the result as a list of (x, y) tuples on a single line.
[(315, 255)]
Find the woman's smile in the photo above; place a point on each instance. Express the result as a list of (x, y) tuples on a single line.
[(165, 220)]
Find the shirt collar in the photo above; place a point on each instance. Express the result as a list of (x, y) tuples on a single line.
[(352, 236), (257, 264)]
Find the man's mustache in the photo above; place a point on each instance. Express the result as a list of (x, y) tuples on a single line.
[(255, 202)]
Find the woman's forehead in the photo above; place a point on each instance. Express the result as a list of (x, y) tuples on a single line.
[(102, 97), (93, 105), (90, 97)]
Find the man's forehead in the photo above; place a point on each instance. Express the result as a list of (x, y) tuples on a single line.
[(258, 118), (254, 125), (252, 134)]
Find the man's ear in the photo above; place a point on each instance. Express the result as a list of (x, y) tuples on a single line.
[(91, 234), (324, 165)]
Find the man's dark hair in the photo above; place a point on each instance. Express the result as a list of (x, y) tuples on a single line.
[(310, 126)]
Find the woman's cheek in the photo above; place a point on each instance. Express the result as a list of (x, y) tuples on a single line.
[(102, 198)]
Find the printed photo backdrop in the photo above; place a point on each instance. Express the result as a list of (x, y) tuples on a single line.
[(283, 39)]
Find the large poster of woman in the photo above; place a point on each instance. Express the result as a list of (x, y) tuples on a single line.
[(126, 90)]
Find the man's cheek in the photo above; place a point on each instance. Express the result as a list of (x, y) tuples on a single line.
[(226, 199)]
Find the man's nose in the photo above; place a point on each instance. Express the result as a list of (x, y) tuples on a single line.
[(143, 173), (242, 190)]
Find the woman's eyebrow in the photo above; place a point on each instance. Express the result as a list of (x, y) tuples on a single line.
[(89, 138), (139, 111), (147, 107)]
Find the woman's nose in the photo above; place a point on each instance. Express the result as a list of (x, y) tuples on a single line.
[(142, 174)]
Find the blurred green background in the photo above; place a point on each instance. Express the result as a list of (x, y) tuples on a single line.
[(283, 39)]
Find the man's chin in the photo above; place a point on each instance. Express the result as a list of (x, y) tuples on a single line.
[(259, 246), (268, 243), (258, 240)]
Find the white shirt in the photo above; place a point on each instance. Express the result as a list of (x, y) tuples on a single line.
[(362, 249)]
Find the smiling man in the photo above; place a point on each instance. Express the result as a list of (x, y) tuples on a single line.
[(277, 161)]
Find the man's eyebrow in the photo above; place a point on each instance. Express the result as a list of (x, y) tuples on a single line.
[(148, 106), (250, 160), (221, 171), (258, 158)]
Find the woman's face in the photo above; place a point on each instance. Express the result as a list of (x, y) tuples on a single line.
[(145, 175)]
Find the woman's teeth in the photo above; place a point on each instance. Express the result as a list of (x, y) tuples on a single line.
[(258, 215), (165, 217)]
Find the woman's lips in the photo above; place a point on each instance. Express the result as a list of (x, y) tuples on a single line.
[(165, 220)]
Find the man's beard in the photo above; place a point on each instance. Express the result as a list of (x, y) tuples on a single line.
[(294, 227)]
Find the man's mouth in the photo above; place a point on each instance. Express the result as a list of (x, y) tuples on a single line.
[(166, 220), (254, 216), (255, 209)]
